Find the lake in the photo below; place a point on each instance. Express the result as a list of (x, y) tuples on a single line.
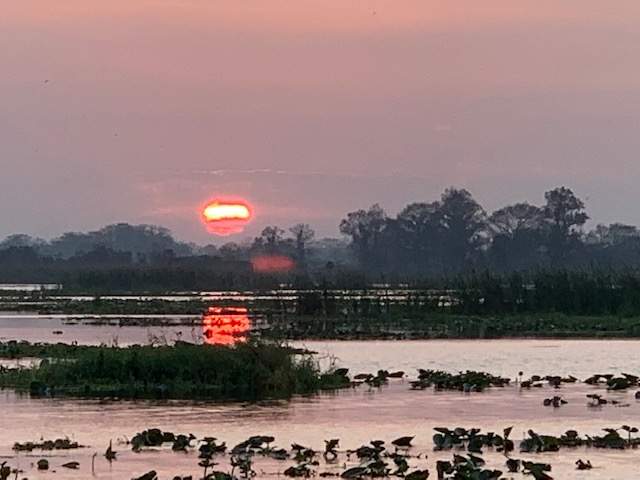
[(355, 416)]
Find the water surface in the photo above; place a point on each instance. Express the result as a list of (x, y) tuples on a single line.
[(355, 416)]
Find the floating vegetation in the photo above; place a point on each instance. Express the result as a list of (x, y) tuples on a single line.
[(468, 467), (596, 400), (156, 438), (555, 402), (371, 460), (612, 439), (469, 381), (537, 470), (380, 378), (555, 381), (612, 382), (57, 444), (151, 475), (582, 465), (473, 440)]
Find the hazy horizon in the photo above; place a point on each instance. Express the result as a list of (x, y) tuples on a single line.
[(140, 111)]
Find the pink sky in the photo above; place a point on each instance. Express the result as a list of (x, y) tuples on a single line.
[(140, 110)]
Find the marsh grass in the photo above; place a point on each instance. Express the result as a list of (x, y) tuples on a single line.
[(251, 371), (406, 324)]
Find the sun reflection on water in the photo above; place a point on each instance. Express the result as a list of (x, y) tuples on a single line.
[(225, 325)]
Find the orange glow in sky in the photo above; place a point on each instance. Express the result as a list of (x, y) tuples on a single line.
[(226, 217), (272, 264)]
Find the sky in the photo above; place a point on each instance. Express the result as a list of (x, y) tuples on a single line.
[(141, 110)]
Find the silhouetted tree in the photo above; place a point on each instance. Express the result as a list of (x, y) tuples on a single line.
[(425, 241), (302, 235), (121, 237), (464, 227), (270, 241), (565, 216), (515, 218), (210, 250), (231, 251), (364, 227), (421, 236), (20, 240), (519, 237), (613, 234)]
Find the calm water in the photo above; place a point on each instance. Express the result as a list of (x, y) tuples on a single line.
[(81, 329), (504, 357), (354, 416)]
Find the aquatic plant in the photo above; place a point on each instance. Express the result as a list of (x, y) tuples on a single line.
[(539, 443), (5, 471), (469, 467), (57, 444), (537, 470), (151, 475), (154, 437), (582, 465), (471, 439), (555, 401), (210, 447), (110, 454), (244, 464), (469, 381)]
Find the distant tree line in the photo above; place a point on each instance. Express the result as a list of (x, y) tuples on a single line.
[(140, 242), (127, 257), (452, 237), (456, 235)]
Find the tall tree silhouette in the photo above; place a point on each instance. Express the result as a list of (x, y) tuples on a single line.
[(518, 237), (565, 216), (420, 239), (365, 227), (464, 227), (302, 235)]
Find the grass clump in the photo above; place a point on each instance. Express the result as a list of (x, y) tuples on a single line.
[(13, 349), (250, 371)]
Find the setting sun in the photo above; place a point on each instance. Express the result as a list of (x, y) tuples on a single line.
[(219, 211), (226, 217)]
